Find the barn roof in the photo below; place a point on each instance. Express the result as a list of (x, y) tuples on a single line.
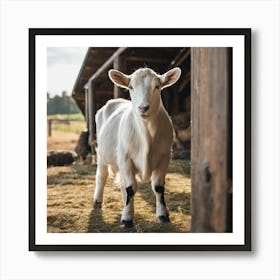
[(98, 61)]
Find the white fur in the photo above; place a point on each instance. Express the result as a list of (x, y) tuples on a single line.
[(135, 143)]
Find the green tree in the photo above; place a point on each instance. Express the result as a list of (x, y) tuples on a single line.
[(61, 104)]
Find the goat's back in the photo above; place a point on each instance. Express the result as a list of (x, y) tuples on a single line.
[(108, 110), (107, 127)]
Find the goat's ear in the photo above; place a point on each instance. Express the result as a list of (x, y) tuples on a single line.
[(170, 77), (119, 78)]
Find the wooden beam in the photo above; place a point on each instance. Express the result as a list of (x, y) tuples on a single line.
[(147, 59), (106, 64), (91, 115), (87, 108), (182, 55), (209, 161), (118, 64), (102, 51)]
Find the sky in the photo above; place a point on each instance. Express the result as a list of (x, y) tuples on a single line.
[(64, 64)]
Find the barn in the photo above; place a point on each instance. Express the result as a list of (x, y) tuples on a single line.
[(93, 88), (199, 105)]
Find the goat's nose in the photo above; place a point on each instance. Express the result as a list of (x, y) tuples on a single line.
[(144, 108)]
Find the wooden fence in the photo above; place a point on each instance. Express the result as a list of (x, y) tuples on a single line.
[(61, 121)]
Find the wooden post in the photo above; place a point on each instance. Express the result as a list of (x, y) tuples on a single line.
[(49, 128), (209, 160), (87, 108), (118, 64), (91, 114)]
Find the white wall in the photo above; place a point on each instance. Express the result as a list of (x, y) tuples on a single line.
[(17, 262)]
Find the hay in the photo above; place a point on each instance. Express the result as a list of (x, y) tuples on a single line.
[(70, 205)]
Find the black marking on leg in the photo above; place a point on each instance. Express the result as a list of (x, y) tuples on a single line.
[(164, 219), (160, 189), (97, 204), (130, 194), (127, 223)]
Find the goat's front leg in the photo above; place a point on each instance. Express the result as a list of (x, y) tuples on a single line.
[(128, 189), (158, 181)]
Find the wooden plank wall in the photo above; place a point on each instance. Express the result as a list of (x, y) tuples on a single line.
[(209, 149)]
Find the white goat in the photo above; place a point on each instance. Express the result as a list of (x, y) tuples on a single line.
[(134, 138)]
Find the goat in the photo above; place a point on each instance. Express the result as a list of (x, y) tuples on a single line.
[(134, 139)]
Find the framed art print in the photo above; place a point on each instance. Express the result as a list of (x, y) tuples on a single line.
[(140, 139)]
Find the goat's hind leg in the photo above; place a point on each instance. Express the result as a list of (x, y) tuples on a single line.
[(101, 178)]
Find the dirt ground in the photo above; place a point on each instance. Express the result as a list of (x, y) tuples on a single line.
[(60, 140), (70, 198)]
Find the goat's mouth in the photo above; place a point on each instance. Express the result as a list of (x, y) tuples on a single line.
[(144, 116)]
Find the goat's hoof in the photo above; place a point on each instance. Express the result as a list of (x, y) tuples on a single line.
[(127, 223), (97, 204), (164, 219)]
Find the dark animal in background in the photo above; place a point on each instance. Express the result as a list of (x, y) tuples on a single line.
[(60, 158), (83, 149)]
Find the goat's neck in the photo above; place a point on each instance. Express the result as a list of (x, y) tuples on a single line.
[(148, 130), (149, 127)]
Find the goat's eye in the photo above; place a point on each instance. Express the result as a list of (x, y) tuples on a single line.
[(130, 87), (157, 87)]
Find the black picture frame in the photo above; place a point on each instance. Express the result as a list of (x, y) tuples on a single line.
[(33, 246)]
